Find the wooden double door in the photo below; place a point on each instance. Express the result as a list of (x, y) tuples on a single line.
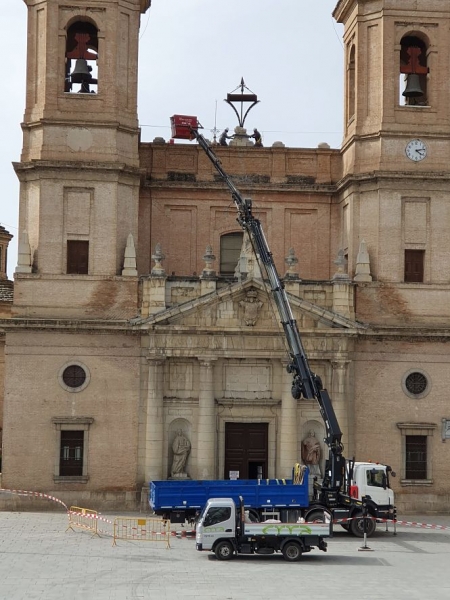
[(246, 450)]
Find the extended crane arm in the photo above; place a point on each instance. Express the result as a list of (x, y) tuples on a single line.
[(305, 382)]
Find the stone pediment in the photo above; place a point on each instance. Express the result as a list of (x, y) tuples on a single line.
[(244, 305)]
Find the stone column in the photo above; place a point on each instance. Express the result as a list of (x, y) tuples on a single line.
[(154, 435), (206, 437), (341, 403), (288, 427)]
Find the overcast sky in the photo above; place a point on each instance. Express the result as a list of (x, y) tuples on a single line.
[(192, 52)]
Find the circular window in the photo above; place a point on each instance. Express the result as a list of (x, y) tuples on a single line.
[(416, 384), (74, 377)]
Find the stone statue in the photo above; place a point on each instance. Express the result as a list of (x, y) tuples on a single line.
[(181, 447), (311, 451)]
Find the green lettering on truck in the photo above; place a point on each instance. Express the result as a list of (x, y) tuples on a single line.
[(286, 529)]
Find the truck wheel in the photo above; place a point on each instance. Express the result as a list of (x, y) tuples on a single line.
[(292, 551), (224, 551), (357, 526), (254, 516), (317, 515)]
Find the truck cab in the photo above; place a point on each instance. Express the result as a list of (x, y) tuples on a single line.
[(371, 479), (217, 521)]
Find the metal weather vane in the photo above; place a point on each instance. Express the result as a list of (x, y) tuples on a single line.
[(245, 97)]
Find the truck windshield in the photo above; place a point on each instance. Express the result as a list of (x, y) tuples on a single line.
[(202, 514), (376, 478), (217, 514)]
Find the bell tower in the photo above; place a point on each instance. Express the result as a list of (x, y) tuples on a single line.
[(79, 169), (396, 150), (396, 65)]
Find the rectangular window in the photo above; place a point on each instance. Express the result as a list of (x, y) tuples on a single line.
[(414, 262), (71, 453), (77, 257), (230, 250), (416, 457)]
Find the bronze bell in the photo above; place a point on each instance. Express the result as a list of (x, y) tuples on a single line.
[(81, 72), (413, 89)]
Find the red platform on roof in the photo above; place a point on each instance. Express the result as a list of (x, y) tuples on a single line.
[(182, 126)]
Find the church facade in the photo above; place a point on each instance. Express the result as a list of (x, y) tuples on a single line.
[(140, 316)]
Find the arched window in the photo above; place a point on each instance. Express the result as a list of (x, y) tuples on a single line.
[(351, 84), (81, 58), (230, 250), (413, 72)]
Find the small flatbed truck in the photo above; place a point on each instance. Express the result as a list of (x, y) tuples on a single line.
[(224, 529)]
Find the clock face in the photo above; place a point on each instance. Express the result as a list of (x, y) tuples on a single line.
[(416, 150)]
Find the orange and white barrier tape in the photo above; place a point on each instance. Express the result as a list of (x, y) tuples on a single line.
[(423, 525), (96, 516), (396, 522), (35, 494)]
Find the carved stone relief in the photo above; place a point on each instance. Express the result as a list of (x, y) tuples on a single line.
[(251, 307)]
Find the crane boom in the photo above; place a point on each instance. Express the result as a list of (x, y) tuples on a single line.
[(305, 383)]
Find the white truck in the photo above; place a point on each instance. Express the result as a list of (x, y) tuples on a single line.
[(225, 530)]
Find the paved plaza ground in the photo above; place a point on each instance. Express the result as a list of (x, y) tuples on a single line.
[(40, 560)]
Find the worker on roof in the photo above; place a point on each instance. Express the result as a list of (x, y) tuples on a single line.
[(258, 137), (224, 137)]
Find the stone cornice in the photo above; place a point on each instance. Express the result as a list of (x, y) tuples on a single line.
[(144, 5), (318, 188), (48, 165), (342, 10), (418, 335), (356, 178), (66, 325)]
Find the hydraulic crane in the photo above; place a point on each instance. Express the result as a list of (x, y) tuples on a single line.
[(332, 492)]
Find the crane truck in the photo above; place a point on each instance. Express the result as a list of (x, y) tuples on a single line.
[(343, 491)]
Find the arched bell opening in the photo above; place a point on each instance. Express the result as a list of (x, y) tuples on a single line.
[(351, 83), (413, 71), (81, 70)]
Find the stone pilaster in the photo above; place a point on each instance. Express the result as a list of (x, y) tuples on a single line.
[(288, 427), (339, 396), (154, 435), (206, 439), (208, 278), (154, 288)]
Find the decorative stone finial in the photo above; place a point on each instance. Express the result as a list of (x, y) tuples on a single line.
[(291, 260), (341, 263), (158, 257), (24, 254), (248, 264), (5, 238), (209, 258), (129, 263), (363, 264)]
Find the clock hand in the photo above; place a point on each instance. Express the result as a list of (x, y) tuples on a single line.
[(421, 151)]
